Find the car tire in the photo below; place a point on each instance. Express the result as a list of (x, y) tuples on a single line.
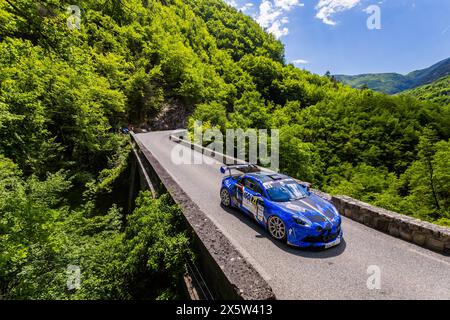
[(225, 198), (277, 228)]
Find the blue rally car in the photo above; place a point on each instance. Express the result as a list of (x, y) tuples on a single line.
[(283, 205)]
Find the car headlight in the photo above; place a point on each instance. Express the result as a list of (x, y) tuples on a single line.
[(302, 221)]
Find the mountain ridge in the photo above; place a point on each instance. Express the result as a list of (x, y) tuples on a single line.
[(392, 83)]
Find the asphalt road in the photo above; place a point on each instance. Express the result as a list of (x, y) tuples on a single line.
[(407, 271)]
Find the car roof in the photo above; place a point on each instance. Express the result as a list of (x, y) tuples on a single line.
[(267, 176)]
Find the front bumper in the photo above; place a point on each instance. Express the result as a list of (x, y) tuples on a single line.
[(304, 238)]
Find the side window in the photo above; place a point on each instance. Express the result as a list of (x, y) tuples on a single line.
[(258, 189), (248, 184), (253, 186)]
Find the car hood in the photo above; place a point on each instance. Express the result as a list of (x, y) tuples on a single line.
[(312, 207)]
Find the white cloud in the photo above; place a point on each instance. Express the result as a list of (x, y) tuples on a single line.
[(235, 4), (287, 4), (272, 15), (268, 14), (299, 61), (277, 28), (232, 3), (246, 7), (327, 8)]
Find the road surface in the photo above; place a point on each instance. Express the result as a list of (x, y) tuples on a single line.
[(407, 271)]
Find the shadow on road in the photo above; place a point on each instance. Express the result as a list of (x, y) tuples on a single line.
[(313, 253)]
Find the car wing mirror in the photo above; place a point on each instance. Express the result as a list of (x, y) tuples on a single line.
[(307, 185)]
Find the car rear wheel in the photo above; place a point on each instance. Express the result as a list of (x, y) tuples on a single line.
[(276, 227), (225, 198)]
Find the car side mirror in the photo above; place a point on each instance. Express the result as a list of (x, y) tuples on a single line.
[(306, 185)]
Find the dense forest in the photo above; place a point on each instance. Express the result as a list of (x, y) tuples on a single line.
[(437, 91), (64, 92)]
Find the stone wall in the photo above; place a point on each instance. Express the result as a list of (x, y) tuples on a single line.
[(228, 274), (422, 233)]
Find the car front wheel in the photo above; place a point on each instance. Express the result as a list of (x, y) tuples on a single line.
[(277, 228), (225, 198)]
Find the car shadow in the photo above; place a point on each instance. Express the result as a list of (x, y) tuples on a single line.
[(313, 253)]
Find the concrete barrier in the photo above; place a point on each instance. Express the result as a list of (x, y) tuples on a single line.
[(413, 230), (227, 272)]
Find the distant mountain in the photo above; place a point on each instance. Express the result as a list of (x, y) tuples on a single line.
[(437, 91), (392, 83)]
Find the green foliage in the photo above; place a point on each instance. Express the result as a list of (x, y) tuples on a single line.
[(236, 32), (367, 183), (299, 158), (250, 111), (389, 83), (117, 165), (29, 210), (438, 91), (426, 182), (141, 259), (63, 94), (213, 114), (155, 249)]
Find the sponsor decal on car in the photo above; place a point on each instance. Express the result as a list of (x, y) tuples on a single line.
[(247, 202), (260, 214)]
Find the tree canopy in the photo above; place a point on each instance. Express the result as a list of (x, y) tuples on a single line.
[(65, 92)]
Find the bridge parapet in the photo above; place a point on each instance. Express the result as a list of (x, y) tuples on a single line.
[(413, 230), (227, 272), (420, 232)]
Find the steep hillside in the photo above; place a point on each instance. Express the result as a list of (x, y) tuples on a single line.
[(64, 93), (392, 83), (438, 91)]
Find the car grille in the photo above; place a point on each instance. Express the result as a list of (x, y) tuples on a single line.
[(325, 237)]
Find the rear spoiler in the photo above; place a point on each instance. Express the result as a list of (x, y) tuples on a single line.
[(244, 168)]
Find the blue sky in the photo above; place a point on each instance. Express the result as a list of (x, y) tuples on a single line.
[(322, 35)]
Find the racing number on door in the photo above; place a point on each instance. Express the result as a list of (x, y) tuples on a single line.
[(247, 201), (254, 205)]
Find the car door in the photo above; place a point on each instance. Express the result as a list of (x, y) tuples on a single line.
[(252, 200), (240, 190)]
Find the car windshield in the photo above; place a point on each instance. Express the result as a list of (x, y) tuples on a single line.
[(285, 190)]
